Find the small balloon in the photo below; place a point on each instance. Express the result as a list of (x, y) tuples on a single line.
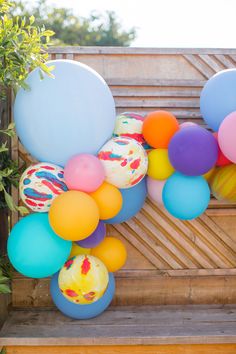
[(221, 159), (159, 166), (223, 183), (76, 250), (226, 137), (155, 188), (95, 238)]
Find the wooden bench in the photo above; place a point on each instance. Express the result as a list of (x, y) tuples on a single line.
[(177, 291)]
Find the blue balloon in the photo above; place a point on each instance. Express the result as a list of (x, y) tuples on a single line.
[(70, 114), (218, 98), (133, 200), (186, 197), (77, 311), (34, 249)]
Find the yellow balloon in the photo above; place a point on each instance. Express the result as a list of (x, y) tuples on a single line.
[(83, 279), (112, 252), (76, 250), (223, 183), (208, 176), (159, 166)]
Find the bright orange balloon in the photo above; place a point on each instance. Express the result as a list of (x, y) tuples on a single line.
[(74, 215), (158, 128), (108, 199), (112, 252)]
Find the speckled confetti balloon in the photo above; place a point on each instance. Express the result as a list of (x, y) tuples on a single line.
[(129, 125), (40, 184), (125, 162), (83, 279)]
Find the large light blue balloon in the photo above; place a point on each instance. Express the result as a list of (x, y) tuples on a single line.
[(77, 311), (34, 249), (218, 98), (186, 197), (70, 114), (133, 200)]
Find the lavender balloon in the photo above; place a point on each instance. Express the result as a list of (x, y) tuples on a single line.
[(95, 238), (193, 151)]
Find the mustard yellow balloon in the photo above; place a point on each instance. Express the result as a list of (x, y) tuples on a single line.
[(73, 215), (83, 279), (223, 183), (76, 250), (159, 166), (112, 252), (208, 176)]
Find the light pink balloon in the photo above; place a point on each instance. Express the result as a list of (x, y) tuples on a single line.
[(227, 137), (155, 188), (84, 172), (187, 124)]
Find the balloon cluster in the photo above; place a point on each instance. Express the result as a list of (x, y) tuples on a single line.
[(92, 173)]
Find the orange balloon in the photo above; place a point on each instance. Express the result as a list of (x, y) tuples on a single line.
[(74, 215), (158, 128), (108, 199), (112, 252)]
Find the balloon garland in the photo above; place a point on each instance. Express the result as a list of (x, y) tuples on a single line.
[(92, 172)]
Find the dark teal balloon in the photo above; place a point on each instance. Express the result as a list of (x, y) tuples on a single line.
[(133, 200), (34, 249), (186, 197), (77, 311)]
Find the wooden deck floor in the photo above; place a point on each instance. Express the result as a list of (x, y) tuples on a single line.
[(146, 325)]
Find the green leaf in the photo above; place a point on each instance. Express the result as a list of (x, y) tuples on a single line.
[(5, 289), (9, 201), (3, 351), (3, 279), (22, 210), (31, 19)]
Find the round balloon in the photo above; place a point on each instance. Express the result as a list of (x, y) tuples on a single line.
[(83, 279), (130, 124), (222, 160), (218, 98), (226, 137), (40, 184), (186, 197), (70, 113), (34, 249), (133, 200), (223, 183), (125, 162), (95, 238), (186, 124), (112, 252), (155, 188), (108, 199), (158, 128), (159, 166), (74, 215), (85, 311), (193, 151), (76, 250), (84, 172)]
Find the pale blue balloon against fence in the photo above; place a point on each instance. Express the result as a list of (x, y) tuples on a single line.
[(218, 98), (72, 113)]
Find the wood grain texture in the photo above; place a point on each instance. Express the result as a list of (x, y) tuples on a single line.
[(124, 326), (144, 349)]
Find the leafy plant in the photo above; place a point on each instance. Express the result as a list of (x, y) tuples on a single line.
[(3, 351), (4, 277)]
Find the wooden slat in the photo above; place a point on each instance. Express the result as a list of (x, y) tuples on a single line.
[(211, 62), (124, 326), (199, 65), (225, 61), (156, 103)]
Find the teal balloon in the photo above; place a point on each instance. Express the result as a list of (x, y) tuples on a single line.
[(34, 249), (59, 117), (186, 197), (133, 200)]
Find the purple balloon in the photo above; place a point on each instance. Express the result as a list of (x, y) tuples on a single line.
[(95, 238), (193, 151)]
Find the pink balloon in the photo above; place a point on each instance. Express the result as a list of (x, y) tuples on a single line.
[(227, 137), (187, 124), (84, 172), (155, 188)]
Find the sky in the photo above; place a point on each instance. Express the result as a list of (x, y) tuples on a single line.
[(169, 23)]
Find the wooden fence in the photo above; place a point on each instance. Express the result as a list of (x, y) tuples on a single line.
[(169, 261)]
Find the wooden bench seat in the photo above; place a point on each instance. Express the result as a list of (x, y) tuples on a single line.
[(156, 328)]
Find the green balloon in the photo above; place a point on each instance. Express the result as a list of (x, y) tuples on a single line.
[(34, 249)]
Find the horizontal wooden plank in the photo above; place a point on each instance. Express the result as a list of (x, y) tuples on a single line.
[(143, 325), (124, 349), (155, 82), (196, 286), (156, 103), (139, 51), (153, 91)]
